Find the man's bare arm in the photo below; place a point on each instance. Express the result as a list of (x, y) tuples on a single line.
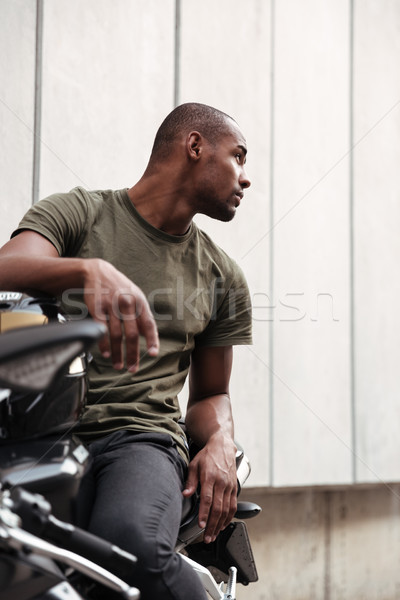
[(210, 425), (29, 262)]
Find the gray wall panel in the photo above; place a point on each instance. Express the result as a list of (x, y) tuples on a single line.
[(312, 425), (226, 62), (17, 76), (376, 235), (107, 84)]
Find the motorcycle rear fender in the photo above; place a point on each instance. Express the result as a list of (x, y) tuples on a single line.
[(231, 549)]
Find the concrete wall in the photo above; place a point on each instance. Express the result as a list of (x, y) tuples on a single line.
[(315, 85), (326, 544)]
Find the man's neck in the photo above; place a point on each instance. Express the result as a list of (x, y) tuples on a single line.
[(162, 207)]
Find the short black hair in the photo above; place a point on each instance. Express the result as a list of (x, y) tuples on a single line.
[(191, 116)]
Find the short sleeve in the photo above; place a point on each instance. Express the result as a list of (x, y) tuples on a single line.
[(231, 321), (61, 218)]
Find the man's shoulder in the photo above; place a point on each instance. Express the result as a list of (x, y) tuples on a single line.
[(213, 251), (88, 203), (91, 196)]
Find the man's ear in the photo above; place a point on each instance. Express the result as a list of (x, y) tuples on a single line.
[(194, 145)]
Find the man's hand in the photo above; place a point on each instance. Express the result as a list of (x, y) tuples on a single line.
[(112, 299), (214, 468)]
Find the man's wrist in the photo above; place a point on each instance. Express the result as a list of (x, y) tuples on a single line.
[(223, 438)]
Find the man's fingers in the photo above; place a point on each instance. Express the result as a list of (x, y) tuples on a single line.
[(220, 511), (115, 335), (134, 312), (104, 342), (148, 328), (230, 505), (127, 315), (192, 481), (132, 345), (206, 501)]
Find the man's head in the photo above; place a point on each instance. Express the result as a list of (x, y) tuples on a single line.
[(205, 151), (192, 116)]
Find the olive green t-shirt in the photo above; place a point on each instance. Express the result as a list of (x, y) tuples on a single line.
[(198, 296)]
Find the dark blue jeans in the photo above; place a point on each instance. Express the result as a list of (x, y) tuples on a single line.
[(132, 496)]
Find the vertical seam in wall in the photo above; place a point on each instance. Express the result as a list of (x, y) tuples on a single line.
[(351, 228), (37, 123), (271, 246), (177, 56), (327, 547)]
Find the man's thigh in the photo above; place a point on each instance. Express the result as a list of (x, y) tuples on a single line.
[(138, 483)]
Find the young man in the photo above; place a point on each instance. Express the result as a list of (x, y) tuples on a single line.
[(173, 303)]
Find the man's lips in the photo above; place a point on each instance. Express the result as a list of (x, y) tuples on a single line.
[(239, 196)]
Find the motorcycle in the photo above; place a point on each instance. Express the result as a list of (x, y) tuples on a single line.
[(43, 556)]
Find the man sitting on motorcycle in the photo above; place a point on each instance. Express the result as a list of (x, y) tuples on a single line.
[(174, 303)]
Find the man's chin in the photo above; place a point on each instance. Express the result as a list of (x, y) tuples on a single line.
[(227, 216), (222, 215)]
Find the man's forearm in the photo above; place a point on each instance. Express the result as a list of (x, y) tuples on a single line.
[(209, 417), (41, 273), (29, 263)]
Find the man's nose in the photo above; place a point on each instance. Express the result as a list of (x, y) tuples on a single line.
[(244, 180)]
